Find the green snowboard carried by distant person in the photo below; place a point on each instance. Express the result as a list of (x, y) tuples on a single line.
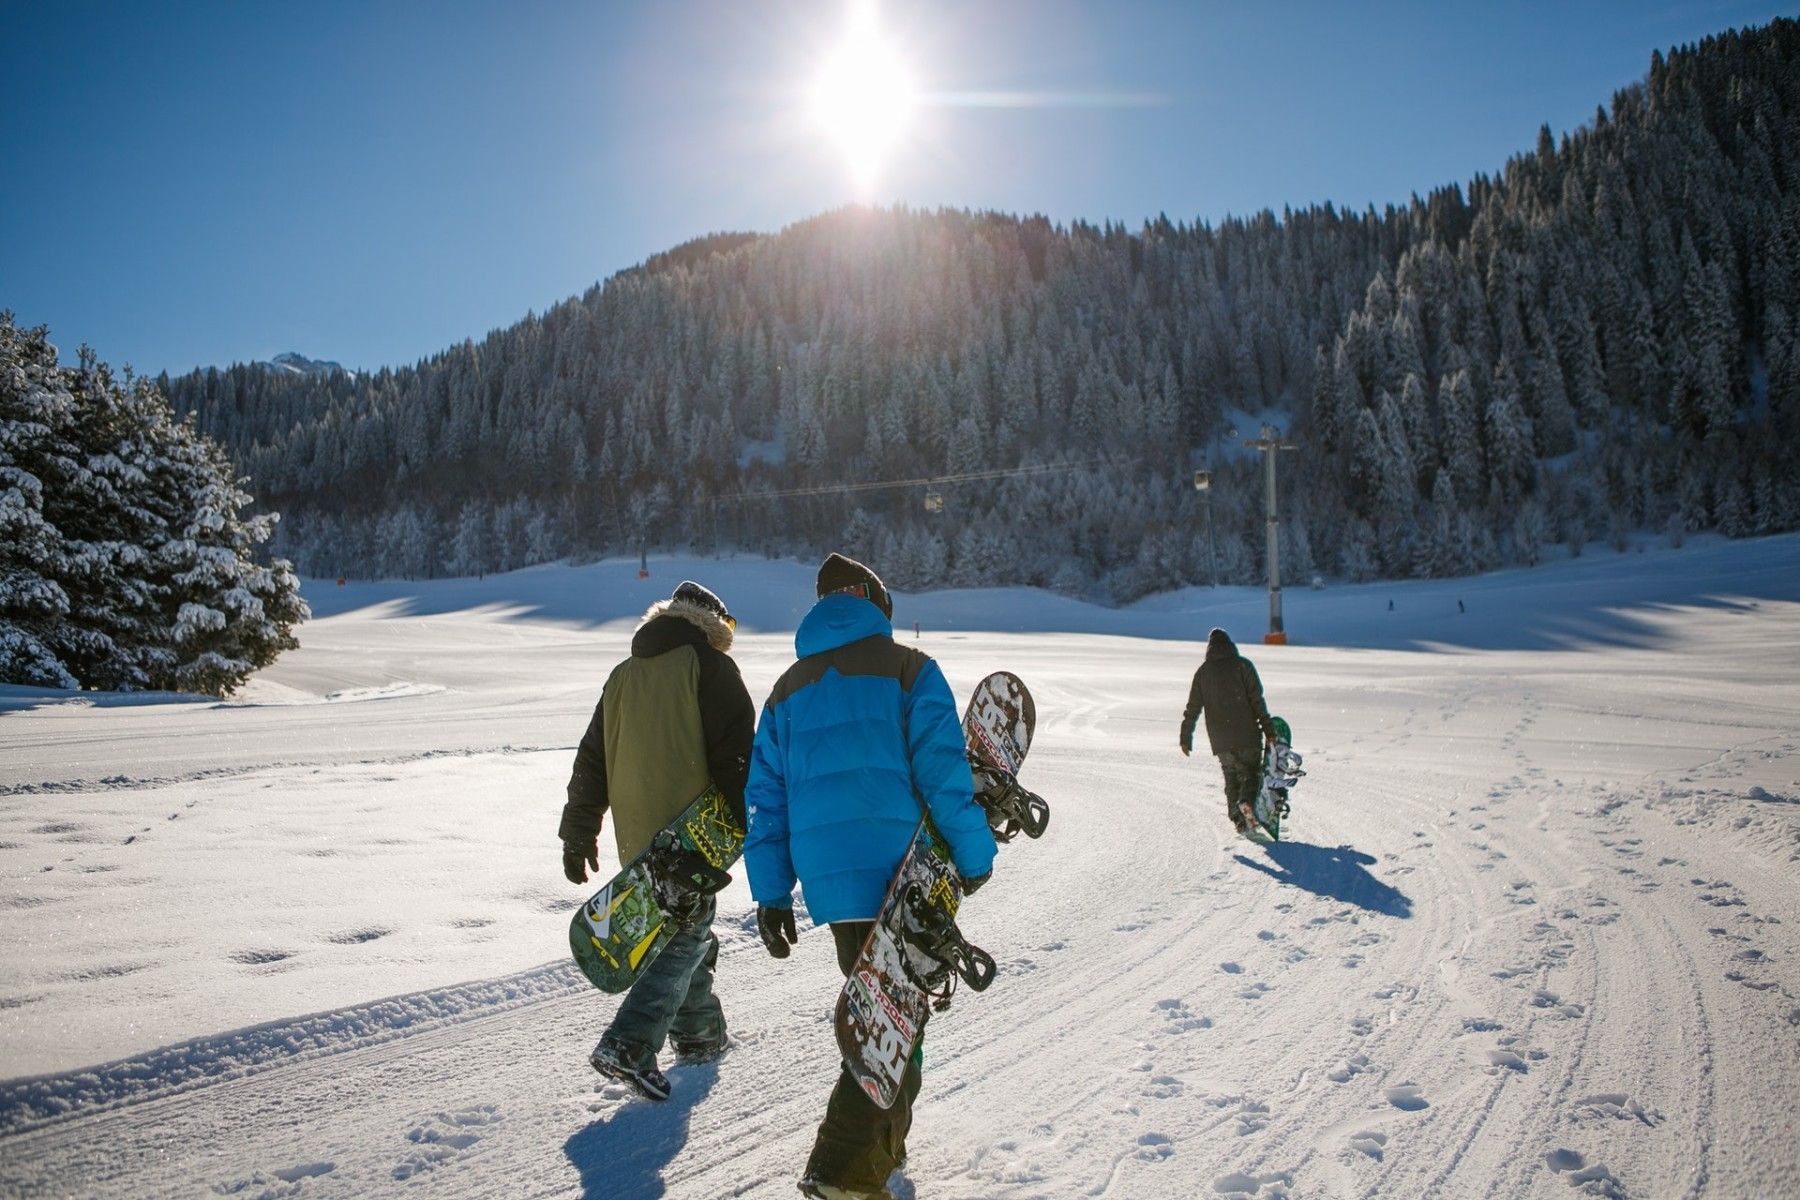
[(624, 925), (1281, 771)]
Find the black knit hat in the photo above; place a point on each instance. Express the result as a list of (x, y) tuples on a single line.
[(693, 593), (841, 574)]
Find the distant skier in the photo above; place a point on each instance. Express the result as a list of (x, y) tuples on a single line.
[(1228, 690), (672, 717), (856, 737)]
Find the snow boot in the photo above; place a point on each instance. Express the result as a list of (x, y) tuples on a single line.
[(699, 1050), (613, 1061)]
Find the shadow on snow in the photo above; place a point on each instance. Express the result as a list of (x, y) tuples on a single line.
[(622, 1156), (1337, 873)]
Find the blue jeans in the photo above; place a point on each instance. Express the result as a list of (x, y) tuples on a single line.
[(673, 998)]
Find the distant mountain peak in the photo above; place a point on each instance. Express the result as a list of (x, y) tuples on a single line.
[(298, 364)]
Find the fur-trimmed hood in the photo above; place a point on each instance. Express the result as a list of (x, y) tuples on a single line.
[(655, 636)]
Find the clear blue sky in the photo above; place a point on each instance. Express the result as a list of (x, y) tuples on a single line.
[(371, 182)]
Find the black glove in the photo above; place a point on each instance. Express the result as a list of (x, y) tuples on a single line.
[(974, 882), (1187, 747), (776, 928), (576, 854)]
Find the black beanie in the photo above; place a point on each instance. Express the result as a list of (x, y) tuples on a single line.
[(841, 574), (693, 593), (1219, 643)]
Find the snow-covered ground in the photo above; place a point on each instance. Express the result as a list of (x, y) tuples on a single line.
[(1535, 932)]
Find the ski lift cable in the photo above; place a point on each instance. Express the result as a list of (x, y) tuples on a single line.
[(929, 481)]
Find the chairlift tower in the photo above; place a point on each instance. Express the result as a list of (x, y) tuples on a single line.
[(1203, 485), (1269, 443)]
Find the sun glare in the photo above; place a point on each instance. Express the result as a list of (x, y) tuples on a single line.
[(863, 98)]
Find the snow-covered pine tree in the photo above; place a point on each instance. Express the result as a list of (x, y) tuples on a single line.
[(133, 564), (36, 428)]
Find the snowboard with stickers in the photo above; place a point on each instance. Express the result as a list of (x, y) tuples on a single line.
[(915, 955)]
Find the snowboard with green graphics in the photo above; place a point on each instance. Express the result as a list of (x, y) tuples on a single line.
[(625, 925), (915, 953), (1281, 771)]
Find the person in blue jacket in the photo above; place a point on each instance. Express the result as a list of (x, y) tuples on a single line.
[(858, 738)]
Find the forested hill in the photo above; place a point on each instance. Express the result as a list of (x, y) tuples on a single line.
[(1598, 339)]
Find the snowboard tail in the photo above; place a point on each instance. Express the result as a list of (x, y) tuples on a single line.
[(621, 929)]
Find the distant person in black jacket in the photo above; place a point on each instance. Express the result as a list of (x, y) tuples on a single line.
[(1227, 689)]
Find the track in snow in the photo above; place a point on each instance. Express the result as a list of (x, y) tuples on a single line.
[(1534, 936)]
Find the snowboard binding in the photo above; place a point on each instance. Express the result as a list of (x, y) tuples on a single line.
[(932, 932), (682, 879), (1010, 808)]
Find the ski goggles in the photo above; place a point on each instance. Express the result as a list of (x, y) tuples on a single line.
[(854, 589)]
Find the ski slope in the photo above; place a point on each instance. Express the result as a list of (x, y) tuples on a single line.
[(1535, 932)]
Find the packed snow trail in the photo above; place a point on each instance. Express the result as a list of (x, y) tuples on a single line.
[(1534, 934)]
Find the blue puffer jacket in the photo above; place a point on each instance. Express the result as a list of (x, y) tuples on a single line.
[(852, 737)]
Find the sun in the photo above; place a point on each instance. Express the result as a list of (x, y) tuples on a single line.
[(863, 97)]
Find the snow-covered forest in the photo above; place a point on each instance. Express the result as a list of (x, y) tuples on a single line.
[(127, 559), (1599, 338)]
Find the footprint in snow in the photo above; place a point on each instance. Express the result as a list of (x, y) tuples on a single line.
[(262, 1181), (1353, 1066), (1550, 1000), (357, 937), (1370, 1142), (1408, 1097), (1154, 1147), (1230, 968), (1505, 1060), (1615, 1106), (1252, 1117), (1164, 1087), (1181, 1018), (1593, 1180), (443, 1137), (1240, 1186), (1255, 991)]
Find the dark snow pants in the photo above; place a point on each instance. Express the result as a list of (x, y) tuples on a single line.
[(860, 1143), (1243, 780), (674, 996)]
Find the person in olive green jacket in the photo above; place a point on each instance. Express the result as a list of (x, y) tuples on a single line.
[(673, 718)]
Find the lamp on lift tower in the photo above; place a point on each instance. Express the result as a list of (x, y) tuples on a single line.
[(934, 501)]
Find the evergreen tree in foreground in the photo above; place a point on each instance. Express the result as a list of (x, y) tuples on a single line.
[(127, 559)]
